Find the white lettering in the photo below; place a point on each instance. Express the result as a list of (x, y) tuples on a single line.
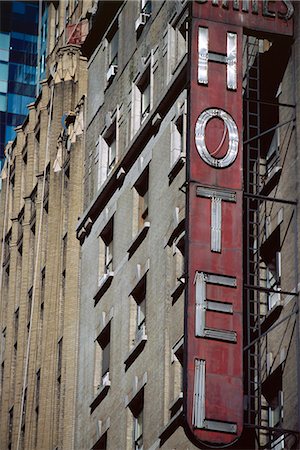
[(233, 138), (202, 304), (230, 59), (216, 196)]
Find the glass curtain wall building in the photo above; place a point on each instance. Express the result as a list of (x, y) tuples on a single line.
[(21, 63)]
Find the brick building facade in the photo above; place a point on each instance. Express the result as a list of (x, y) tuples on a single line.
[(102, 300)]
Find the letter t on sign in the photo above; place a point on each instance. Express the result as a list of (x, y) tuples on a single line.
[(216, 195), (230, 59)]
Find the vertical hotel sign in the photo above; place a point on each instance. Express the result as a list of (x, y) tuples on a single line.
[(213, 327)]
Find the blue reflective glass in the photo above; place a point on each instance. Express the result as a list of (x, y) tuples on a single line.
[(22, 73), (4, 55), (2, 102), (18, 7), (17, 103), (3, 71), (4, 41), (25, 102), (3, 86), (10, 133), (24, 36), (21, 44)]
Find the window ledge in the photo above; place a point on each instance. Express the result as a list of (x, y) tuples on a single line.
[(177, 291), (141, 21), (271, 317), (174, 423), (101, 394), (138, 239), (139, 345), (175, 169), (104, 284), (176, 405), (271, 181)]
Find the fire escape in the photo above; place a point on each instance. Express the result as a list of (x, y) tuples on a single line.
[(271, 344)]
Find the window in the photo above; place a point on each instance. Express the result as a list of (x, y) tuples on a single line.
[(37, 388), (24, 167), (56, 35), (3, 102), (142, 190), (275, 412), (3, 343), (107, 153), (146, 6), (107, 250), (12, 186), (24, 411), (139, 296), (2, 376), (142, 92), (138, 431), (175, 46), (137, 408), (63, 268), (113, 44), (111, 151), (46, 189), (59, 357), (10, 426), (105, 361), (271, 256), (20, 231), (42, 63), (101, 444), (138, 311), (33, 211), (178, 133), (102, 366), (144, 16), (141, 315), (59, 383), (43, 282), (144, 88), (16, 325), (67, 16), (273, 155), (178, 252), (180, 42), (176, 377), (36, 425), (29, 307), (7, 243), (104, 342), (64, 251)]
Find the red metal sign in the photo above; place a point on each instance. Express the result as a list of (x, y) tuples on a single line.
[(213, 328)]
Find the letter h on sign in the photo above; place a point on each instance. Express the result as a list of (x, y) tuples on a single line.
[(230, 59)]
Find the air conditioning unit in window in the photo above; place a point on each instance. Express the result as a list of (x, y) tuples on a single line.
[(105, 380), (141, 334), (141, 21), (111, 72)]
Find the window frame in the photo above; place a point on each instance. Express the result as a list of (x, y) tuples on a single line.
[(107, 237), (144, 87), (112, 37), (107, 149), (104, 341), (141, 187), (139, 295)]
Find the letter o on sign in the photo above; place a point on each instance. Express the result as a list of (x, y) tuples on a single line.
[(233, 137)]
